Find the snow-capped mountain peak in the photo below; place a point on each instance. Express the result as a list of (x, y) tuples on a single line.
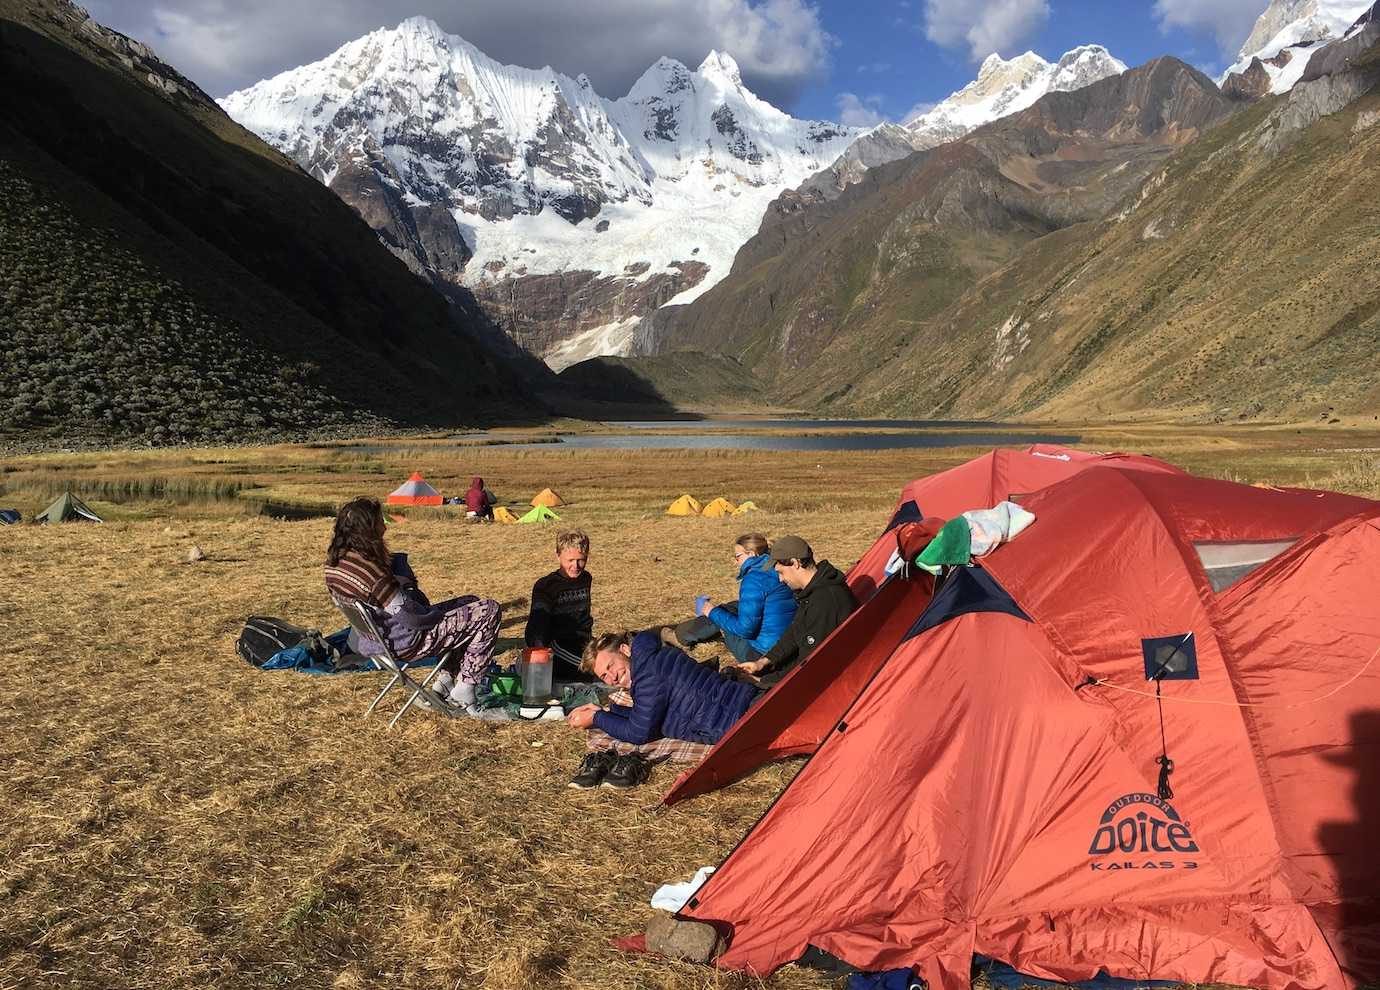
[(1289, 31), (1005, 86), (421, 26), (647, 197), (1083, 66), (721, 65)]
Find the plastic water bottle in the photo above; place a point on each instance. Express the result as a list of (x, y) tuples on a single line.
[(536, 675)]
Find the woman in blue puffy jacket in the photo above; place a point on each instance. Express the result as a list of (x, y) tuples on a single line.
[(751, 625)]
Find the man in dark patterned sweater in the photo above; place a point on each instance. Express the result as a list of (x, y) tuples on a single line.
[(561, 617)]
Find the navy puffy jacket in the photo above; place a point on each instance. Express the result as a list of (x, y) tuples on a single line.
[(674, 697), (765, 606)]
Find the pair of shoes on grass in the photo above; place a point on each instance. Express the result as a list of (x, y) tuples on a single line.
[(610, 770)]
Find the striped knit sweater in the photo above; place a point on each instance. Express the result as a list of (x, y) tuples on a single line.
[(361, 579)]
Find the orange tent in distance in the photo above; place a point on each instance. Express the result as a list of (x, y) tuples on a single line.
[(414, 491)]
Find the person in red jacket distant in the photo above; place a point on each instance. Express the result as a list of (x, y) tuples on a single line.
[(479, 501)]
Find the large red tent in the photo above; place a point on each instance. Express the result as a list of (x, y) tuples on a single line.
[(799, 713), (995, 787)]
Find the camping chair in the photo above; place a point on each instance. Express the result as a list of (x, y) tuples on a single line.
[(361, 619)]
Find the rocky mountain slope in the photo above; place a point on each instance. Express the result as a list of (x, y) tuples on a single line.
[(165, 276), (897, 247), (568, 214), (1234, 279), (1001, 88)]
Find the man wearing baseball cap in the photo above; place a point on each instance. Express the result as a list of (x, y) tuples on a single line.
[(823, 601)]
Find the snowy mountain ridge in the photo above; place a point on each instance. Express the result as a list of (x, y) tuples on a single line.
[(1006, 86), (541, 175), (1288, 32)]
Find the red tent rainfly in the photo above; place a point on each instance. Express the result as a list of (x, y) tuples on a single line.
[(980, 484), (415, 491), (805, 706), (995, 788)]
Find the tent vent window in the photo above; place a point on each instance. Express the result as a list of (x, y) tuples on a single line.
[(1227, 563), (1170, 658)]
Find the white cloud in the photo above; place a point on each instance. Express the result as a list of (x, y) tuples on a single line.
[(919, 110), (859, 111), (984, 26), (781, 45), (1229, 21)]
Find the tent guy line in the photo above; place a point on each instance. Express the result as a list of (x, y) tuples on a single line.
[(1092, 682)]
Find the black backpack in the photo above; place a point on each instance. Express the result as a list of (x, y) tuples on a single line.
[(263, 636)]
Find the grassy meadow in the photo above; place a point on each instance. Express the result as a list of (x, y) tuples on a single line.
[(170, 817)]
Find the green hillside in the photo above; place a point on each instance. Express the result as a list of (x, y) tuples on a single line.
[(682, 380)]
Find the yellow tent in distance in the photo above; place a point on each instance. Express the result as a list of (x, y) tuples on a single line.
[(718, 509), (745, 508), (684, 506), (501, 514), (547, 498)]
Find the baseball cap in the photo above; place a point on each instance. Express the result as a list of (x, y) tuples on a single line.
[(789, 548)]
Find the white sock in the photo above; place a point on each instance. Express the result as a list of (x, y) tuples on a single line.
[(443, 683), (462, 694)]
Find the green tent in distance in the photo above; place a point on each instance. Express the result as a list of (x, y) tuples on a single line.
[(67, 508), (539, 514)]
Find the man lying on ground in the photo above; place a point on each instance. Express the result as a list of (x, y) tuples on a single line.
[(679, 709), (561, 617), (823, 601)]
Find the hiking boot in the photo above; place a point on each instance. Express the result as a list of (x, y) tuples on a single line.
[(628, 771), (668, 637), (593, 769)]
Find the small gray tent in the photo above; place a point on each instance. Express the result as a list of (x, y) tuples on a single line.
[(67, 508)]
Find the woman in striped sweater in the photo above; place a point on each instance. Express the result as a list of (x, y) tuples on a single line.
[(461, 631)]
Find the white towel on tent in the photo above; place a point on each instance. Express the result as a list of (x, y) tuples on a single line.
[(992, 527), (672, 896)]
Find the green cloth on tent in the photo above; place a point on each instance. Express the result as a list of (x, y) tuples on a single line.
[(539, 513), (952, 546)]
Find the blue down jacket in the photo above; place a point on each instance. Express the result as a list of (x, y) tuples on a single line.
[(765, 606), (674, 697)]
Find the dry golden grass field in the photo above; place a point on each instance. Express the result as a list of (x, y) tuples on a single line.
[(170, 817)]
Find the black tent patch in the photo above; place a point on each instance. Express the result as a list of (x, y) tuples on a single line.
[(907, 513), (1170, 658)]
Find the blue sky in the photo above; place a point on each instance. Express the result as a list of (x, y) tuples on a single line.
[(882, 55), (815, 58)]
